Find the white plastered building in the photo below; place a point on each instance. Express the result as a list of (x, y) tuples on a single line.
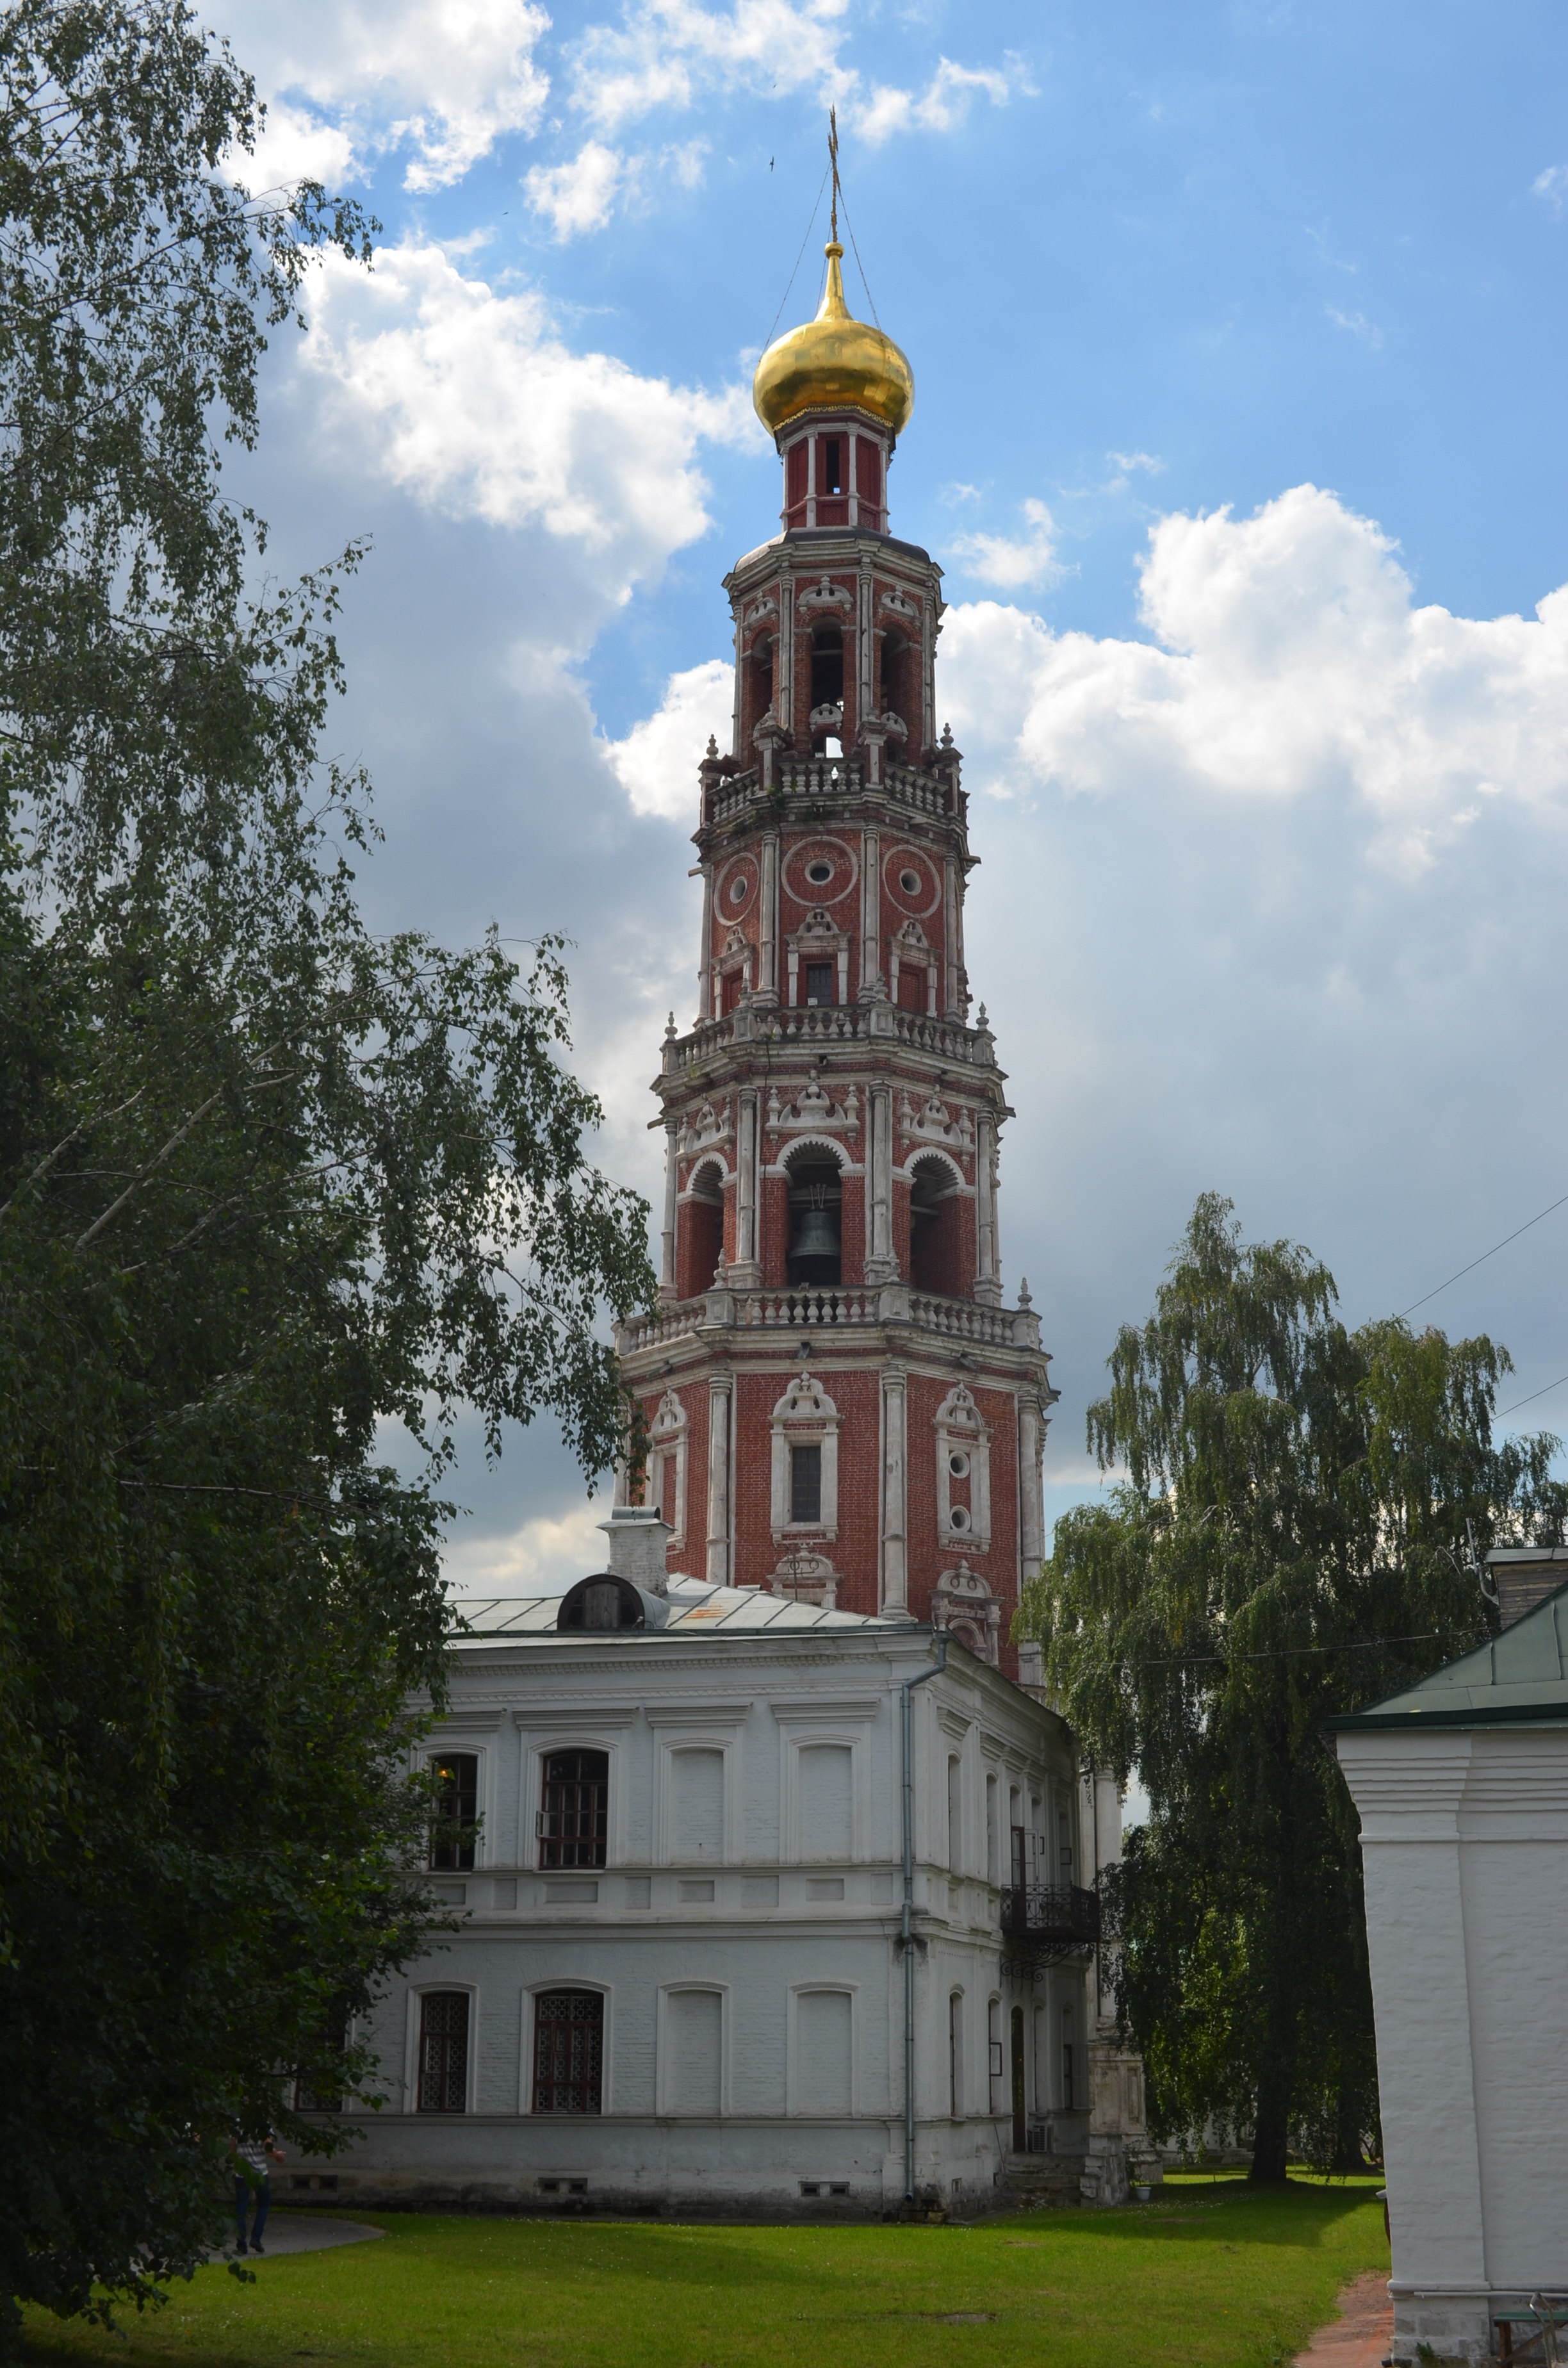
[(681, 1978), (1461, 1785)]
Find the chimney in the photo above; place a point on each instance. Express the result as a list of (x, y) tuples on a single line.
[(638, 1538), (1525, 1576)]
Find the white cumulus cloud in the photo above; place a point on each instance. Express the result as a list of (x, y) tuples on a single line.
[(656, 763), (443, 78), (670, 54), (579, 195), (1289, 658), (943, 103), (471, 401), (1011, 563)]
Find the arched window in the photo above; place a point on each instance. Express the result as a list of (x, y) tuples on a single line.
[(936, 1199), (816, 1205), (704, 1215), (569, 2032), (761, 679), (896, 676), (443, 2052), (574, 1823), (827, 666)]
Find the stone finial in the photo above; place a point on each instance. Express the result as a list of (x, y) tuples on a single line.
[(947, 735), (1024, 1299), (979, 1021), (670, 1028), (712, 746)]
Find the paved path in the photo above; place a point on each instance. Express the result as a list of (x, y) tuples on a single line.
[(1362, 2336), (307, 2232)]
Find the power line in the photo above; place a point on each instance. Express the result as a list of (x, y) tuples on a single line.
[(1482, 1261), (1557, 1385)]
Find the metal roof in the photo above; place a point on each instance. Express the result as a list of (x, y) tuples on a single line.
[(695, 1609), (1521, 1678)]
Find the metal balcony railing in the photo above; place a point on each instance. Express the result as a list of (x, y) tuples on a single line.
[(1057, 1918)]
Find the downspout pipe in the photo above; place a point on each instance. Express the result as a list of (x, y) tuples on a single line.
[(906, 1925)]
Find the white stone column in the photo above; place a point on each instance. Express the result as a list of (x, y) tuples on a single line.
[(812, 480), (881, 1265), (705, 968), (871, 910), (721, 1393), (668, 1239), (987, 1287), (952, 957), (784, 664), (895, 1494), (865, 649), (743, 1271), (1031, 1494), (767, 956), (739, 709)]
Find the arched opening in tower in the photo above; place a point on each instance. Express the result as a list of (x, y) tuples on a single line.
[(816, 1205), (703, 1216), (935, 1203), (761, 682), (896, 656), (827, 667)]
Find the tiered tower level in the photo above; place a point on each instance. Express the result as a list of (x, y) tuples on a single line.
[(838, 1402)]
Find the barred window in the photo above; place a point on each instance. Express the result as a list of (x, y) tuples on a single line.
[(569, 2033), (805, 1485), (456, 1812), (573, 1824), (443, 2052)]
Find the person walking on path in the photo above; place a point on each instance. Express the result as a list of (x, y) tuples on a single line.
[(253, 2177)]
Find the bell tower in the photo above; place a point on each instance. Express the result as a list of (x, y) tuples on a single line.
[(838, 1404)]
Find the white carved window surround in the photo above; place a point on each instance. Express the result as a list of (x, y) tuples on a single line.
[(804, 1416), (818, 939), (963, 1473), (668, 1449), (908, 947)]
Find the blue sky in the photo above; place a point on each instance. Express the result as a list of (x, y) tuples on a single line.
[(1237, 335)]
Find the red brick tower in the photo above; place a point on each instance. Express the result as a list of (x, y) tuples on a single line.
[(838, 1402)]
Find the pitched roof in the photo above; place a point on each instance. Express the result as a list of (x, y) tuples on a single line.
[(1520, 1677), (693, 1609)]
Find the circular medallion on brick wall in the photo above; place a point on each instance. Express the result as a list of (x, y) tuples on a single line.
[(905, 865), (734, 888), (820, 870)]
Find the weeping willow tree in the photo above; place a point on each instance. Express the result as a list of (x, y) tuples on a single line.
[(1286, 1536)]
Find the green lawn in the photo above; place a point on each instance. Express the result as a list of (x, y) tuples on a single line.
[(1210, 2276)]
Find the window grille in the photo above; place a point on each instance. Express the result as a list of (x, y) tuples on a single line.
[(820, 982), (443, 2052), (573, 1824), (569, 2030), (456, 1810), (805, 1485)]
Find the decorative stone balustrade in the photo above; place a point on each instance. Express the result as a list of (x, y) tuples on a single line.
[(812, 778), (832, 1308), (830, 1024)]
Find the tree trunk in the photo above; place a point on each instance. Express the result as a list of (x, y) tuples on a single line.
[(1270, 2137)]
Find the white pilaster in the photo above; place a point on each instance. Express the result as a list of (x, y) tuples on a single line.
[(895, 1494), (881, 1265), (743, 1271), (667, 1238), (871, 910), (705, 967), (952, 893), (1032, 1492), (720, 1390), (767, 958)]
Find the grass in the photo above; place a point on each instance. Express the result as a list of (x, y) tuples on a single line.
[(1210, 2276)]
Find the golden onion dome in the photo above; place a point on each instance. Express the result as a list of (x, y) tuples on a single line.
[(833, 361)]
